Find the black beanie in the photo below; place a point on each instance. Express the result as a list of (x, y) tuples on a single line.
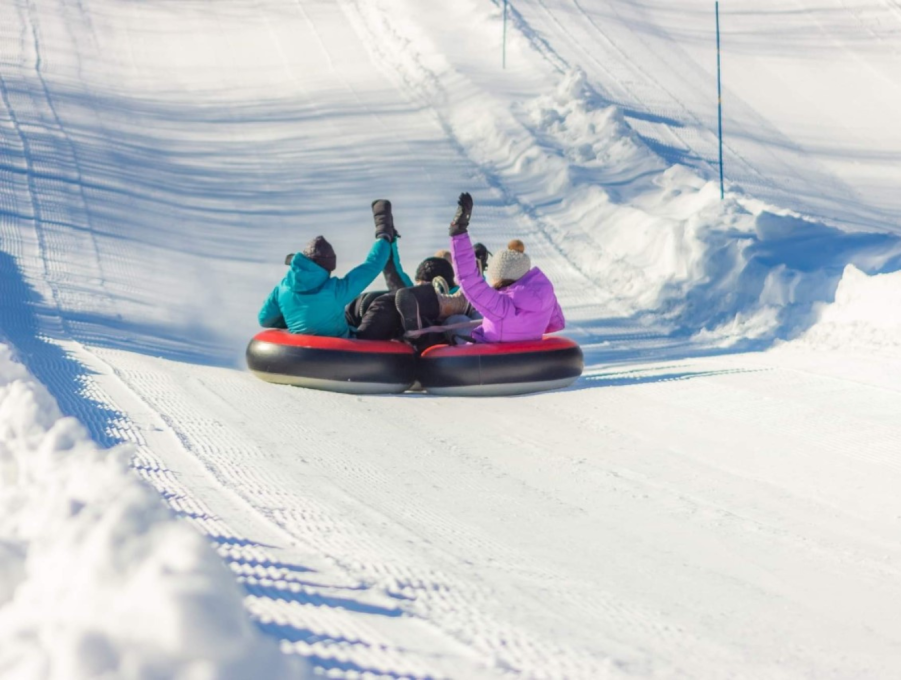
[(432, 267), (321, 252)]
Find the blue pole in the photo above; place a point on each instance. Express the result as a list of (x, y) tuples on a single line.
[(504, 48), (719, 95)]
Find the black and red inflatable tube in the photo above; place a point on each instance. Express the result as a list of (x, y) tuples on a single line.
[(373, 367), (500, 369), (334, 364)]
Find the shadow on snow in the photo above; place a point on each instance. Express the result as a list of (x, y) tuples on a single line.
[(20, 323)]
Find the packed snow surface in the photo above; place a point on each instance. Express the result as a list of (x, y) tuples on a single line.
[(715, 498), (97, 579)]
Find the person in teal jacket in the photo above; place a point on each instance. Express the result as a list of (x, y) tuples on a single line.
[(309, 300)]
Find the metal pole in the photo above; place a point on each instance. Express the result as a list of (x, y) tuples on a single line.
[(719, 94), (504, 48)]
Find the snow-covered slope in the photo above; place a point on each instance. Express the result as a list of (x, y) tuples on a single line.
[(810, 90), (671, 515), (97, 579)]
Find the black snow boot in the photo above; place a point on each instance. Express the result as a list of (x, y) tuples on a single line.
[(384, 220), (408, 308), (419, 308)]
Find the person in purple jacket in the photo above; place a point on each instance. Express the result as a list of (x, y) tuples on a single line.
[(517, 301)]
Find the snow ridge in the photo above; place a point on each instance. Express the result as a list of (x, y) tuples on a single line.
[(649, 239), (866, 316), (96, 577)]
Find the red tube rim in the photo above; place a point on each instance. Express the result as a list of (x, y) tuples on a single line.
[(280, 337), (547, 344)]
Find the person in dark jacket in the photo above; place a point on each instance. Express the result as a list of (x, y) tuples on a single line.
[(378, 315), (434, 299), (309, 300), (427, 271)]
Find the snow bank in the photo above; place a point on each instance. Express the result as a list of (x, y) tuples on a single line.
[(96, 577), (658, 239), (651, 239), (866, 315)]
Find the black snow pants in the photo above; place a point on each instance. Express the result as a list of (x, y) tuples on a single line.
[(375, 315)]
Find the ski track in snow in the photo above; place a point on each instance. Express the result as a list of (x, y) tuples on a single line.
[(396, 553), (669, 523)]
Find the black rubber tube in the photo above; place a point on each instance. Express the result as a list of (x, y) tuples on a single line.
[(277, 362), (473, 370)]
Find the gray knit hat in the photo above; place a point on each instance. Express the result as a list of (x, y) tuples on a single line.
[(508, 265), (321, 252)]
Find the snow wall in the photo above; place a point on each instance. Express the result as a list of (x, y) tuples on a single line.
[(660, 245), (97, 577)]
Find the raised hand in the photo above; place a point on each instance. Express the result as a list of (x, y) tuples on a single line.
[(461, 218), (482, 254)]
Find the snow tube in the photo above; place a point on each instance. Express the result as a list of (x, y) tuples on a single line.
[(489, 370), (334, 364)]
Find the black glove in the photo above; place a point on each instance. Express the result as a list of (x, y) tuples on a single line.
[(461, 217), (288, 258), (384, 220), (482, 254)]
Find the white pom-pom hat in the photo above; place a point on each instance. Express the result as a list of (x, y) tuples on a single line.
[(509, 265)]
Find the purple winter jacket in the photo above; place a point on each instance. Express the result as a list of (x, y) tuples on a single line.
[(524, 310)]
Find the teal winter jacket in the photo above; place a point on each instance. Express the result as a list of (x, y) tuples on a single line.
[(308, 300)]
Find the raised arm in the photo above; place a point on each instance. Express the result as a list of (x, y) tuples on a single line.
[(358, 278), (483, 297)]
